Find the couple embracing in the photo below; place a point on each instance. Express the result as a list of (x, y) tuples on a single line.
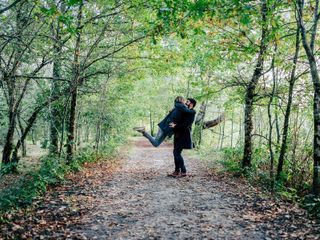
[(178, 123)]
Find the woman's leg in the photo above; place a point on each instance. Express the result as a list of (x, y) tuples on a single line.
[(155, 141)]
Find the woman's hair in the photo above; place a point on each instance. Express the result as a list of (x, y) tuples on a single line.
[(179, 99)]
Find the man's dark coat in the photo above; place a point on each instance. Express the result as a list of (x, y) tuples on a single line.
[(174, 116), (182, 131)]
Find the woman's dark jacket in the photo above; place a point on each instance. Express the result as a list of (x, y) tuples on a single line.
[(174, 116), (182, 132)]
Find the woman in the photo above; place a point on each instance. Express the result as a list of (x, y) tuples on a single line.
[(165, 130)]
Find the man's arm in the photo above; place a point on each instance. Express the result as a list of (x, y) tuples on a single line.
[(186, 123)]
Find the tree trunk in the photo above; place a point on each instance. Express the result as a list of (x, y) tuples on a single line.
[(63, 124), (78, 131), (199, 124), (55, 110), (250, 91), (72, 124), (151, 123), (30, 122), (13, 100), (271, 153), (232, 129), (222, 134), (98, 136), (74, 91), (8, 146), (240, 131), (55, 123), (33, 138), (285, 130), (309, 49), (276, 116), (23, 143)]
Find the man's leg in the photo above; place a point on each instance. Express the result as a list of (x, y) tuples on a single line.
[(176, 160), (155, 141), (180, 160), (176, 172)]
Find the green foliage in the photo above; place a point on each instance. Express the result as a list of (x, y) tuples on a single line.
[(258, 175), (32, 185), (312, 204), (8, 168), (286, 193), (73, 2), (231, 159), (52, 172)]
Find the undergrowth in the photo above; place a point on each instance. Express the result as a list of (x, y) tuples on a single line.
[(52, 172), (229, 160)]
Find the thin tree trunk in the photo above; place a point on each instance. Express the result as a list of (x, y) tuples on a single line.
[(98, 136), (232, 127), (240, 130), (30, 122), (276, 115), (151, 123), (55, 109), (79, 132), (199, 123), (55, 123), (13, 100), (8, 146), (63, 127), (270, 120), (222, 135), (285, 130), (250, 91), (309, 49), (23, 144), (33, 138)]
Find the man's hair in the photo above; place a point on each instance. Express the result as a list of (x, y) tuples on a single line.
[(179, 99), (193, 101)]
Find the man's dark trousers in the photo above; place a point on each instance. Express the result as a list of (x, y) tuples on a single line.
[(178, 160)]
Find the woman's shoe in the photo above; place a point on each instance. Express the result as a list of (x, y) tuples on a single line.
[(139, 129)]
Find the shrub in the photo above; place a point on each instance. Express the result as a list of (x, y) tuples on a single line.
[(312, 204)]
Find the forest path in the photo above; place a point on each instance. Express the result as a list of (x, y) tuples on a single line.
[(141, 202), (138, 201)]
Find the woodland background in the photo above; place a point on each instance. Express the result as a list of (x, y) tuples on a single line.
[(76, 76)]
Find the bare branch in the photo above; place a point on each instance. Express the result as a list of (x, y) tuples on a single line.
[(9, 6)]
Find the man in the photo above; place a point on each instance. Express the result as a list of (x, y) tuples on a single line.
[(182, 139), (174, 116)]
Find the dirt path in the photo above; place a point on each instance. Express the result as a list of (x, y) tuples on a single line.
[(138, 201), (142, 202)]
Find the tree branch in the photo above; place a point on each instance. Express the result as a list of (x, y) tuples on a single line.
[(10, 6)]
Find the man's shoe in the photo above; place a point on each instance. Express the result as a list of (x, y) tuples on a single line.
[(140, 129), (182, 175), (174, 174)]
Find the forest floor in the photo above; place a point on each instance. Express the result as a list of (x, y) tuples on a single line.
[(132, 198)]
